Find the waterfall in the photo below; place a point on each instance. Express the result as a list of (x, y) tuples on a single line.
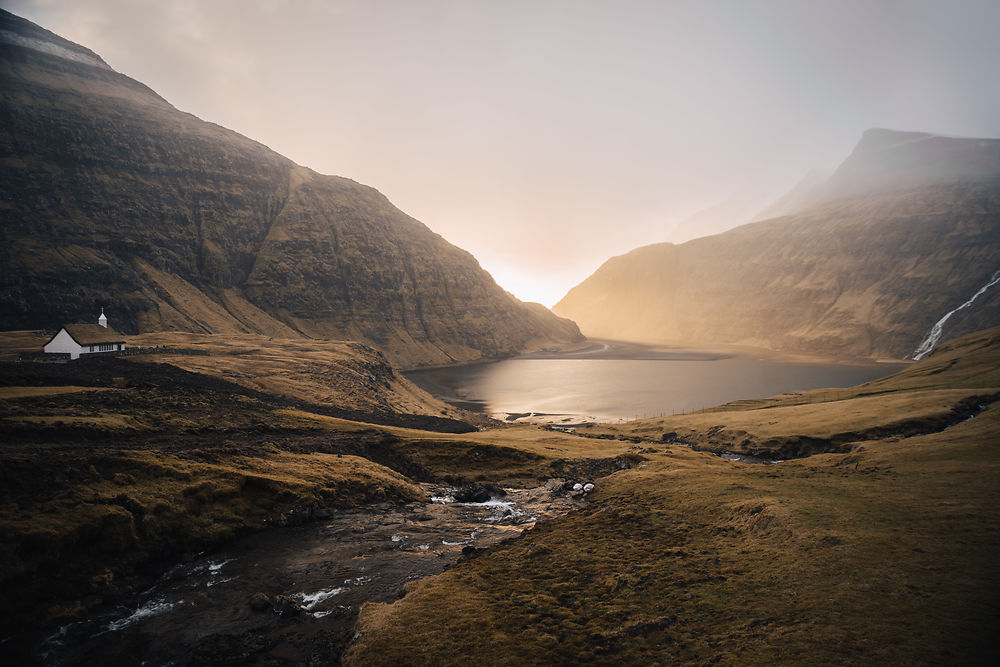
[(937, 330)]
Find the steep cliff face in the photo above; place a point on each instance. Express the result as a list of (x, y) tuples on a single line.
[(109, 196), (907, 229)]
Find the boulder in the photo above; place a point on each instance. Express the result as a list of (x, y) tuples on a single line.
[(479, 493)]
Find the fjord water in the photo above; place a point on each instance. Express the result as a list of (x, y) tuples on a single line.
[(611, 381)]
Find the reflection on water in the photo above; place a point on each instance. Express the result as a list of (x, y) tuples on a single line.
[(608, 389)]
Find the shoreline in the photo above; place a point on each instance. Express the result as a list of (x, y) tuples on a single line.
[(619, 350)]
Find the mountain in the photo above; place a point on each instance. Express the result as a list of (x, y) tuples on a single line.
[(906, 230), (796, 199), (110, 196), (733, 212)]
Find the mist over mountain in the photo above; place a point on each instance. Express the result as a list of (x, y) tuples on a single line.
[(112, 197), (906, 230), (733, 212), (795, 199)]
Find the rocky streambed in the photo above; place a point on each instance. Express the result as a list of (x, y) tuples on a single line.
[(292, 595)]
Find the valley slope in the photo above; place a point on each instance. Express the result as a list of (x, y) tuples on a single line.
[(880, 550), (109, 196), (907, 229)]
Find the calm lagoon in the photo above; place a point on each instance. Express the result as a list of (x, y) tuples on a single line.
[(611, 381)]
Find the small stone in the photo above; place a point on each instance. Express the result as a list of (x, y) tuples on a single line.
[(286, 607), (555, 484), (578, 486), (588, 487)]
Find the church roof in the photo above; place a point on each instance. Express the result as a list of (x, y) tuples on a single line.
[(92, 334)]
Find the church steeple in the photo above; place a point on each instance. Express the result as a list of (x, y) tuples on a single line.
[(102, 320)]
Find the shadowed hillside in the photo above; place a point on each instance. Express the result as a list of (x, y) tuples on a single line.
[(112, 197), (906, 230)]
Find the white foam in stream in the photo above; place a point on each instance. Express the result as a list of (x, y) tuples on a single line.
[(492, 502), (154, 607), (310, 600), (215, 567)]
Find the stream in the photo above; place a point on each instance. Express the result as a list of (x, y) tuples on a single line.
[(307, 583)]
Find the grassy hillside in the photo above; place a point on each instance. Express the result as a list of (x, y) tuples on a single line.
[(880, 554)]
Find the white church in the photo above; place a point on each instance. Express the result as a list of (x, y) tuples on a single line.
[(77, 339)]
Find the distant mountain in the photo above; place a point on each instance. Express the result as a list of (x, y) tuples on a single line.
[(906, 230), (889, 161), (109, 196), (796, 199), (733, 212)]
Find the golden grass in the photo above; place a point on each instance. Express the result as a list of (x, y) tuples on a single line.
[(104, 422), (14, 342), (526, 438), (820, 420), (340, 373), (881, 555), (24, 392)]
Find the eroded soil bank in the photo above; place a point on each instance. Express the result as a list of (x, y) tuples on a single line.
[(292, 595)]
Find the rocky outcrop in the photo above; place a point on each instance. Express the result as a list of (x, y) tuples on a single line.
[(112, 197), (906, 230)]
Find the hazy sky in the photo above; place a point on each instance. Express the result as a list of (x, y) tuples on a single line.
[(545, 136)]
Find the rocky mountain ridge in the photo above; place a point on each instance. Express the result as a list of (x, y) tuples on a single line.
[(906, 230), (112, 197)]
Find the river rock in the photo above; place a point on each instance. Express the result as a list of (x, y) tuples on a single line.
[(555, 484), (260, 602), (286, 607), (478, 493)]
